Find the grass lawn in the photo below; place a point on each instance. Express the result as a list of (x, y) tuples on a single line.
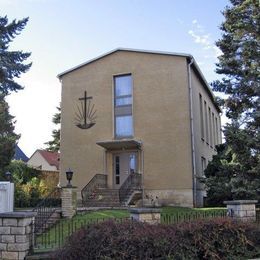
[(176, 210), (57, 235)]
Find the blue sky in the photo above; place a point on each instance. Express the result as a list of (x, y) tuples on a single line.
[(64, 33)]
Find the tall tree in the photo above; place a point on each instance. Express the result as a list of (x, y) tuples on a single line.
[(11, 67), (239, 63), (8, 138), (54, 144), (11, 62)]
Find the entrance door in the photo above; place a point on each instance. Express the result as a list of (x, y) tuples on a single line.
[(124, 164)]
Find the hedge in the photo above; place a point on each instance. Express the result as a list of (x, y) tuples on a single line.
[(202, 239)]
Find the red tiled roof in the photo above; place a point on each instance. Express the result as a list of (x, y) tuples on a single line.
[(53, 158)]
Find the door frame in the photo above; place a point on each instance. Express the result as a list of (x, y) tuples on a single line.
[(115, 153)]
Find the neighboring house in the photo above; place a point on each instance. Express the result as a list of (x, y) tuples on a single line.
[(155, 116), (19, 154), (44, 160)]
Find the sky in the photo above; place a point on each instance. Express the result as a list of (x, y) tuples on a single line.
[(62, 34)]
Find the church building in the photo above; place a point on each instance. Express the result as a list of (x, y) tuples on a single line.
[(138, 126)]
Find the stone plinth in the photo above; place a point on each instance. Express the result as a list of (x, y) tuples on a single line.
[(16, 234), (242, 209), (148, 215), (6, 196), (69, 201)]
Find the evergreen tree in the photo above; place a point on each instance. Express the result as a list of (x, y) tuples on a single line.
[(11, 66), (239, 63), (8, 138), (54, 144), (11, 62)]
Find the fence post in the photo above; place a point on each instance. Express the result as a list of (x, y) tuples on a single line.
[(69, 201), (16, 231), (241, 209)]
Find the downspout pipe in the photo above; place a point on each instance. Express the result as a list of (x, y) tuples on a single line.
[(194, 181)]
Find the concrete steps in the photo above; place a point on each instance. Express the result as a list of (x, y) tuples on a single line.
[(103, 198)]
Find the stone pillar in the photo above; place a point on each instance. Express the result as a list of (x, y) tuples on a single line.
[(69, 201), (241, 209), (148, 215), (6, 196), (16, 234)]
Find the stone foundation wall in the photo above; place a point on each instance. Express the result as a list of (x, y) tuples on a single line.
[(180, 197), (16, 229)]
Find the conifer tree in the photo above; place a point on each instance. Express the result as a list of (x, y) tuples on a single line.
[(11, 62), (54, 144), (11, 67), (8, 138), (239, 65)]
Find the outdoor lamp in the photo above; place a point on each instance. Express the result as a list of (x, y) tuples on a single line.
[(8, 176), (69, 174)]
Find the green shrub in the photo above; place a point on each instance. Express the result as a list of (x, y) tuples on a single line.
[(30, 186), (203, 239)]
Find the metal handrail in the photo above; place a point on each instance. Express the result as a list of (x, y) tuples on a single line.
[(132, 182), (46, 208), (98, 181)]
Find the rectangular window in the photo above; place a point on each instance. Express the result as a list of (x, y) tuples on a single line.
[(123, 106), (210, 128), (213, 130), (206, 122), (203, 165), (201, 118), (117, 170), (124, 125)]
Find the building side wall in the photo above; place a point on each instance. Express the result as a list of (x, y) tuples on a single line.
[(37, 160), (160, 114), (204, 140)]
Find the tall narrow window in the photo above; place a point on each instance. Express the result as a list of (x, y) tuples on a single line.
[(203, 165), (216, 126), (210, 128), (206, 122), (213, 130), (201, 118), (123, 106), (117, 161)]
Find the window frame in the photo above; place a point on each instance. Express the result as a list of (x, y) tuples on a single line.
[(117, 108)]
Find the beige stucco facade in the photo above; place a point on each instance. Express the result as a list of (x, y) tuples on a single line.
[(162, 120)]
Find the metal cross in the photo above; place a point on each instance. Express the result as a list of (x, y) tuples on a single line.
[(85, 98)]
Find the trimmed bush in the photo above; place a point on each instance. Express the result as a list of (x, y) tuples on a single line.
[(202, 239)]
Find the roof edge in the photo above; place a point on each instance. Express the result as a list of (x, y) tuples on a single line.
[(187, 56), (121, 49)]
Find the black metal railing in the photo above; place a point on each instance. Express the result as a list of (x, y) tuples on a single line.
[(98, 181), (258, 216), (55, 237), (46, 208), (178, 217), (132, 183)]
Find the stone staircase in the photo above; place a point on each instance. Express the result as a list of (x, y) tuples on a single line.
[(103, 197), (96, 193)]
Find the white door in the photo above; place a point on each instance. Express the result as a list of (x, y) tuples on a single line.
[(124, 164)]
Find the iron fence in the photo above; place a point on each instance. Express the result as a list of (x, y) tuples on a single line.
[(258, 216), (54, 237), (174, 218)]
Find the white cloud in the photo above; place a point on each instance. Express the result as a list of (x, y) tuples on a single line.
[(204, 39)]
